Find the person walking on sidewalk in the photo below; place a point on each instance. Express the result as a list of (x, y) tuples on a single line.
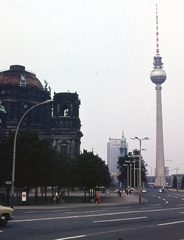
[(63, 196), (119, 192), (97, 196)]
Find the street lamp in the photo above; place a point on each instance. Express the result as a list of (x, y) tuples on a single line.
[(140, 140), (134, 154), (14, 146), (130, 173), (126, 165)]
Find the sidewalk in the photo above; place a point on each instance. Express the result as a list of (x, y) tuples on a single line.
[(76, 201)]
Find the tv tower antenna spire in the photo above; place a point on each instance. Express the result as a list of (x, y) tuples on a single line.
[(157, 35)]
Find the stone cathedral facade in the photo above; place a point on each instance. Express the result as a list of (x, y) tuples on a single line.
[(58, 121)]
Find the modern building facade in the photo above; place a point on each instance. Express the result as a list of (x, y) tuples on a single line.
[(158, 76), (115, 148), (59, 122)]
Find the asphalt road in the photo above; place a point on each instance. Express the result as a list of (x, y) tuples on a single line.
[(162, 217)]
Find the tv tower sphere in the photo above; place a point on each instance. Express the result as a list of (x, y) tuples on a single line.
[(158, 75)]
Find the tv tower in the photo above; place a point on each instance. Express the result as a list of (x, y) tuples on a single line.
[(158, 76)]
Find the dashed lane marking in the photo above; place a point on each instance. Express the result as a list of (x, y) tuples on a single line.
[(116, 220)]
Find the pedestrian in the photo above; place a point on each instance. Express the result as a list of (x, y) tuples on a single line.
[(56, 197), (97, 196), (63, 196), (119, 192)]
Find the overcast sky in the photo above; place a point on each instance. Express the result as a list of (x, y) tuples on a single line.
[(103, 50)]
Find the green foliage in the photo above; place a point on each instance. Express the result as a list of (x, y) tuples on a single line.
[(127, 160), (64, 174), (174, 183), (182, 182), (91, 171), (34, 159), (39, 164)]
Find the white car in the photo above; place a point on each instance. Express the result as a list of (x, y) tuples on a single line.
[(162, 190), (116, 190), (6, 214), (144, 190)]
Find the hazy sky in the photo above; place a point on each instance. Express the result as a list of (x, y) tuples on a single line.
[(103, 50)]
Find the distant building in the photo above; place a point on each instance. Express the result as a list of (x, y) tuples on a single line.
[(59, 122), (115, 148)]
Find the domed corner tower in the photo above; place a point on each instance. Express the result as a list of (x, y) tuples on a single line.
[(20, 90), (66, 124)]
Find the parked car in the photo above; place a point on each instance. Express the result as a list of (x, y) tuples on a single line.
[(6, 214), (162, 190), (116, 190), (144, 190)]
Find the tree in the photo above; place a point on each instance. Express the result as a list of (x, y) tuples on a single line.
[(174, 183), (65, 171), (34, 163), (123, 165), (91, 171), (182, 182)]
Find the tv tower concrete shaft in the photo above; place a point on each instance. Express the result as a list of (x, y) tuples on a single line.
[(160, 164), (158, 76)]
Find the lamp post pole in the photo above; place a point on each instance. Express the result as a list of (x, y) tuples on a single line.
[(126, 165), (134, 154), (14, 146), (134, 167), (140, 158), (134, 173), (130, 173)]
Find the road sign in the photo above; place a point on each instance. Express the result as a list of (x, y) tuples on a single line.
[(23, 196)]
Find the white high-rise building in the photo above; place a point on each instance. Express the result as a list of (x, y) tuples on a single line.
[(115, 148)]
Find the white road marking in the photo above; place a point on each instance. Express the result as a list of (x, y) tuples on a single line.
[(86, 211), (74, 237), (170, 223), (175, 197), (47, 211), (97, 215), (30, 212), (115, 220)]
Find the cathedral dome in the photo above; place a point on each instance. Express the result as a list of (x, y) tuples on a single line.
[(158, 76), (16, 73)]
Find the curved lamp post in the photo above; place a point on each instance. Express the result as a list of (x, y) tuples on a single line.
[(14, 146), (140, 140)]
